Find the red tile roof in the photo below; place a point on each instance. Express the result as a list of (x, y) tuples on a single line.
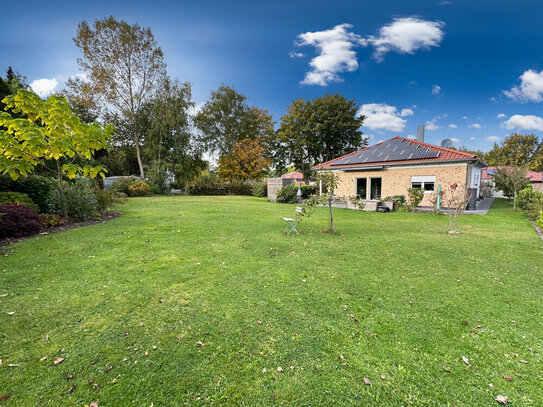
[(445, 154), (533, 176), (293, 175)]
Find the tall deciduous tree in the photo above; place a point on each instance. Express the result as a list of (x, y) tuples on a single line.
[(524, 150), (47, 130), (124, 67), (319, 130), (226, 118), (169, 144), (246, 161)]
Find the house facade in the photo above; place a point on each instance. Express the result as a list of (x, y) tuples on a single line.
[(392, 166)]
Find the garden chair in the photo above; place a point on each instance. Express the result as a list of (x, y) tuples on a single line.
[(292, 223)]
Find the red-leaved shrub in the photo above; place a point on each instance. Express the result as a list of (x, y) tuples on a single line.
[(18, 221)]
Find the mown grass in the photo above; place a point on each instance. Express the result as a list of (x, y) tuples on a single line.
[(397, 296)]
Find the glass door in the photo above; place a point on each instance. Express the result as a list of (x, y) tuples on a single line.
[(361, 188), (375, 189)]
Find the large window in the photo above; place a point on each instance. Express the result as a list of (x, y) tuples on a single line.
[(361, 188), (426, 183), (375, 188)]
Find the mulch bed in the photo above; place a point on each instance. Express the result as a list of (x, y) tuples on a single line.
[(69, 224)]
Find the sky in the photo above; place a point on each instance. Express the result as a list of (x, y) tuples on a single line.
[(471, 71)]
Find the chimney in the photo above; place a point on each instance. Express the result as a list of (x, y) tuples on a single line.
[(420, 133)]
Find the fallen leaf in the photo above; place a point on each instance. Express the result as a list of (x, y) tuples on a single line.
[(280, 369), (264, 370), (5, 396), (383, 377), (43, 358), (58, 360), (218, 382), (466, 360), (291, 367), (508, 378), (93, 404), (366, 380), (447, 370), (506, 356), (4, 295), (523, 361), (70, 376), (10, 312), (201, 344), (71, 388), (108, 368), (13, 365), (501, 399), (478, 326)]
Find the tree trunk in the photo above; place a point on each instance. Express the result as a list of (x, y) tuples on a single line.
[(332, 228), (61, 192), (138, 153)]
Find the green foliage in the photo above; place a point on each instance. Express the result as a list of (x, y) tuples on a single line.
[(155, 190), (107, 198), (287, 194), (125, 67), (329, 181), (398, 201), (308, 190), (226, 118), (517, 150), (315, 131), (79, 198), (48, 131), (17, 198), (528, 196), (260, 189), (122, 184), (50, 220), (510, 180), (157, 178), (18, 221), (415, 197), (209, 184), (539, 220), (40, 189), (139, 188)]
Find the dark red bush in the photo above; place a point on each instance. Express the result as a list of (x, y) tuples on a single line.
[(18, 221)]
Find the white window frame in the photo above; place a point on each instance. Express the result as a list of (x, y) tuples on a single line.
[(422, 179)]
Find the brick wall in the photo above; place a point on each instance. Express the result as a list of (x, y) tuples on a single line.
[(396, 181), (275, 184)]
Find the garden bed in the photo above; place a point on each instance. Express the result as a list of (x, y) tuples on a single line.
[(70, 224)]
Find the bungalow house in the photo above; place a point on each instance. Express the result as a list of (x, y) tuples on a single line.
[(487, 178), (392, 166)]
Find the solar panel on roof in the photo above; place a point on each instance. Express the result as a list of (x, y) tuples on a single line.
[(390, 150)]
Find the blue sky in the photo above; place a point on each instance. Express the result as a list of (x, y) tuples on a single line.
[(443, 63)]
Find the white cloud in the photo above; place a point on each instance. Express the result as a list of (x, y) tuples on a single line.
[(293, 54), (406, 112), (475, 126), (501, 116), (436, 89), (493, 138), (407, 35), (411, 137), (528, 122), (432, 125), (453, 126), (472, 138), (380, 116), (530, 88), (464, 117), (455, 140), (43, 87), (335, 54)]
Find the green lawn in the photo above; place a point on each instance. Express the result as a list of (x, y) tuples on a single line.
[(397, 296)]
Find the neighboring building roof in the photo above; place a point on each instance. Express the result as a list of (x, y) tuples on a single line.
[(533, 176), (293, 175), (395, 152)]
